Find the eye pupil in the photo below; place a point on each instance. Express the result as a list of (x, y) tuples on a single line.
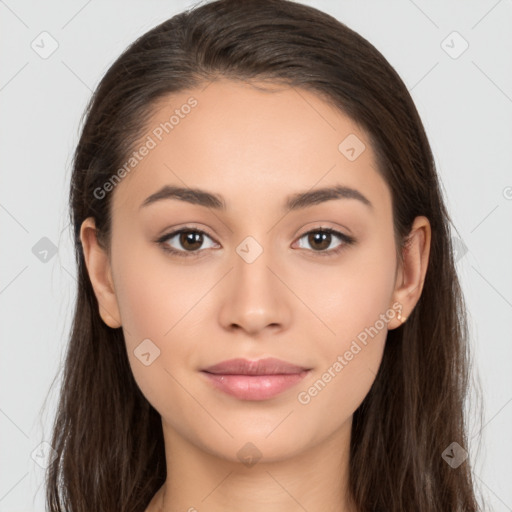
[(191, 237), (318, 236)]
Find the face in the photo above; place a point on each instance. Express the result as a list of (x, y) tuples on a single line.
[(256, 272)]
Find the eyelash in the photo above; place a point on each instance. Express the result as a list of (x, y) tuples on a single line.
[(347, 240)]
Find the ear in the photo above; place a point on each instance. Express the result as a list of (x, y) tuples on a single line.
[(98, 267), (411, 275)]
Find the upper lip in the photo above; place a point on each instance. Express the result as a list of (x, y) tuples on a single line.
[(267, 366)]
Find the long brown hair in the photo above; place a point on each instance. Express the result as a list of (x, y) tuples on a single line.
[(108, 438)]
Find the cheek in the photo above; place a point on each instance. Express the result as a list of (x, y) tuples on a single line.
[(173, 306), (153, 294), (336, 390), (154, 299), (350, 296), (354, 306), (158, 348), (347, 369)]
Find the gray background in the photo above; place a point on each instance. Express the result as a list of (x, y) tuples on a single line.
[(465, 102)]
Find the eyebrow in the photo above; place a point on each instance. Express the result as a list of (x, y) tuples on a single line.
[(293, 202)]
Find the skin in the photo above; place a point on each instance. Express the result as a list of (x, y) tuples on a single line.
[(291, 302)]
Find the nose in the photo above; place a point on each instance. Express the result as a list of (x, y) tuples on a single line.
[(254, 296)]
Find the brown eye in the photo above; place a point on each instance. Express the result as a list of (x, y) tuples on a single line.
[(187, 242), (191, 240), (321, 239)]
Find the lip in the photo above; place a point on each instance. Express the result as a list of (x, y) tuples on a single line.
[(254, 380)]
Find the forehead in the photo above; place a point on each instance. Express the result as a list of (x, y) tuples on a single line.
[(249, 142)]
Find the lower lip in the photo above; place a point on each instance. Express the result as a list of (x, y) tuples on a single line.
[(255, 387)]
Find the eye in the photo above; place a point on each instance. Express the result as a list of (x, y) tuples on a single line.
[(321, 238), (190, 239)]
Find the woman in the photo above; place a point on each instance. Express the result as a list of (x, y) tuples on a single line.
[(268, 313)]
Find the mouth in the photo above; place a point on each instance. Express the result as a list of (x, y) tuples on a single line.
[(254, 380)]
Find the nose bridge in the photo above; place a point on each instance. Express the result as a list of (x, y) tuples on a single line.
[(253, 296), (252, 262)]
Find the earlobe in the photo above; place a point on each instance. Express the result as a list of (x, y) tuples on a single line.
[(411, 276), (98, 268)]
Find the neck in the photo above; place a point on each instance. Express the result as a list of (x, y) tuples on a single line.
[(315, 480)]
